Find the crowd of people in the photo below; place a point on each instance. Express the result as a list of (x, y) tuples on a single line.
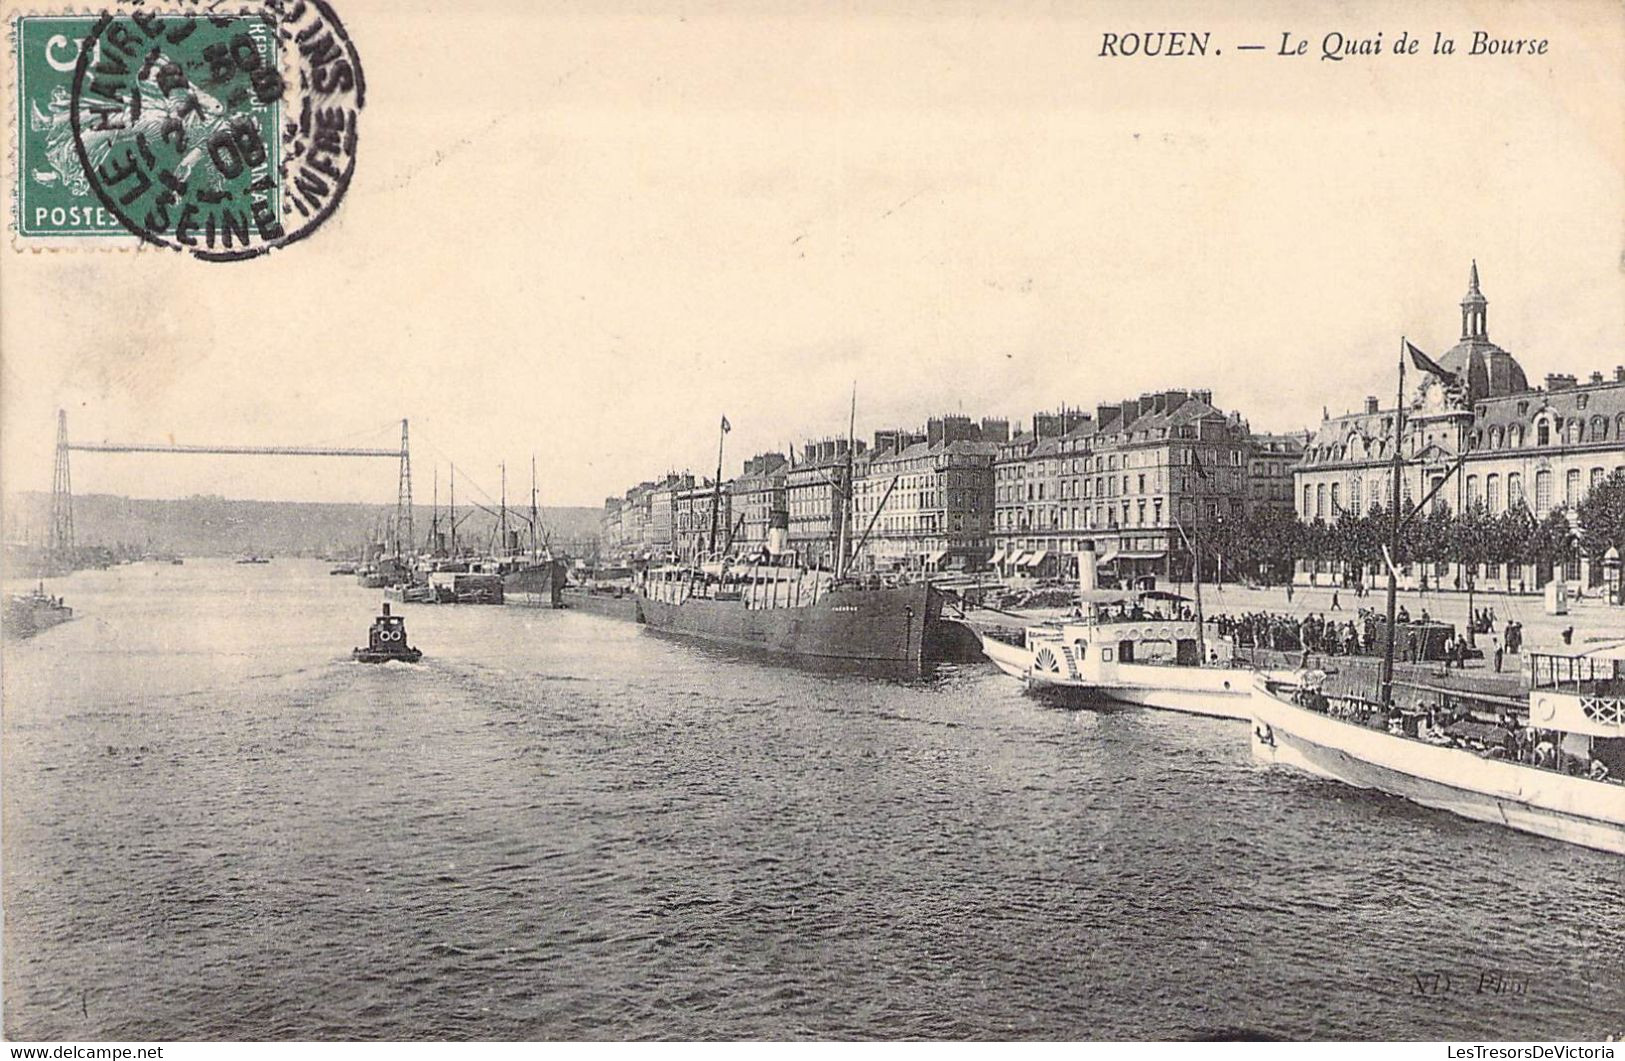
[(1356, 636), (1362, 635)]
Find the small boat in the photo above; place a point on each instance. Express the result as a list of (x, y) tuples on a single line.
[(411, 593), (1131, 646), (466, 587), (1558, 773), (386, 641), (252, 560), (342, 569), (31, 613)]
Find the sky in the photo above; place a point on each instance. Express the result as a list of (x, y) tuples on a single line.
[(585, 232)]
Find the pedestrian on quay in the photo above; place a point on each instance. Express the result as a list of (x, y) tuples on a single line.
[(1336, 607), (1498, 651)]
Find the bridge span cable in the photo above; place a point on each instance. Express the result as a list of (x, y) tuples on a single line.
[(259, 451)]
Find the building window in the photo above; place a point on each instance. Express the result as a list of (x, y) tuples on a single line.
[(1543, 492), (1354, 495), (1571, 487), (1320, 500), (1514, 489), (1596, 478), (1492, 493), (1308, 501), (1472, 490), (1336, 499)]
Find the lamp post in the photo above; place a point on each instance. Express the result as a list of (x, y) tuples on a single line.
[(1611, 574)]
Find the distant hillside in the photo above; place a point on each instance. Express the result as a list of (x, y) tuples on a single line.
[(216, 526)]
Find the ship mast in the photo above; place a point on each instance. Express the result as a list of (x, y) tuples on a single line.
[(842, 534), (1196, 556), (716, 492), (535, 518), (453, 512), (1392, 549), (502, 548)]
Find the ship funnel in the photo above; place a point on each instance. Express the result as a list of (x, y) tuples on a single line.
[(1088, 580), (778, 532), (386, 607)]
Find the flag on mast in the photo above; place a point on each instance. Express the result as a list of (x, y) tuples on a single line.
[(1201, 469), (1428, 365), (726, 427)]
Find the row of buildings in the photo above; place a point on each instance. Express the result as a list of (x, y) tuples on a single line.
[(1135, 479), (1128, 480)]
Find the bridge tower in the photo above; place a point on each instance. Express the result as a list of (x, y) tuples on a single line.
[(59, 539), (404, 541)]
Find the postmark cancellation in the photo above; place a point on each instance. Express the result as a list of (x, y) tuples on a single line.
[(219, 134)]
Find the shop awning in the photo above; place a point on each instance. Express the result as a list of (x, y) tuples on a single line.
[(1035, 559), (1153, 555), (998, 555), (1108, 558), (936, 557), (1018, 558)]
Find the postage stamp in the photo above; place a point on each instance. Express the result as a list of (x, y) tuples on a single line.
[(222, 135)]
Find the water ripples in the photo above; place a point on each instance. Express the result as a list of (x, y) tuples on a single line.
[(559, 826)]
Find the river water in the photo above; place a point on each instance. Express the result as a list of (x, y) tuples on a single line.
[(563, 826)]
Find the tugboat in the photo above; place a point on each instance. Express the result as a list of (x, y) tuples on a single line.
[(387, 641)]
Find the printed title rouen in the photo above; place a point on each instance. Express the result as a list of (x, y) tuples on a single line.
[(1333, 46)]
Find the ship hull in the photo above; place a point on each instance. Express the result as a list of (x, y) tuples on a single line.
[(364, 655), (892, 625), (542, 582), (1215, 692), (624, 607), (28, 619), (1531, 800)]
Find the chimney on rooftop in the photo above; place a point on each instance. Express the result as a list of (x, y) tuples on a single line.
[(1619, 373), (1557, 381), (1370, 403), (1596, 377)]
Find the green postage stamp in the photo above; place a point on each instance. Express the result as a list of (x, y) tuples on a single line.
[(221, 135)]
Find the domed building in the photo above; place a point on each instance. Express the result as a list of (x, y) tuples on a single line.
[(1543, 448), (1484, 369)]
